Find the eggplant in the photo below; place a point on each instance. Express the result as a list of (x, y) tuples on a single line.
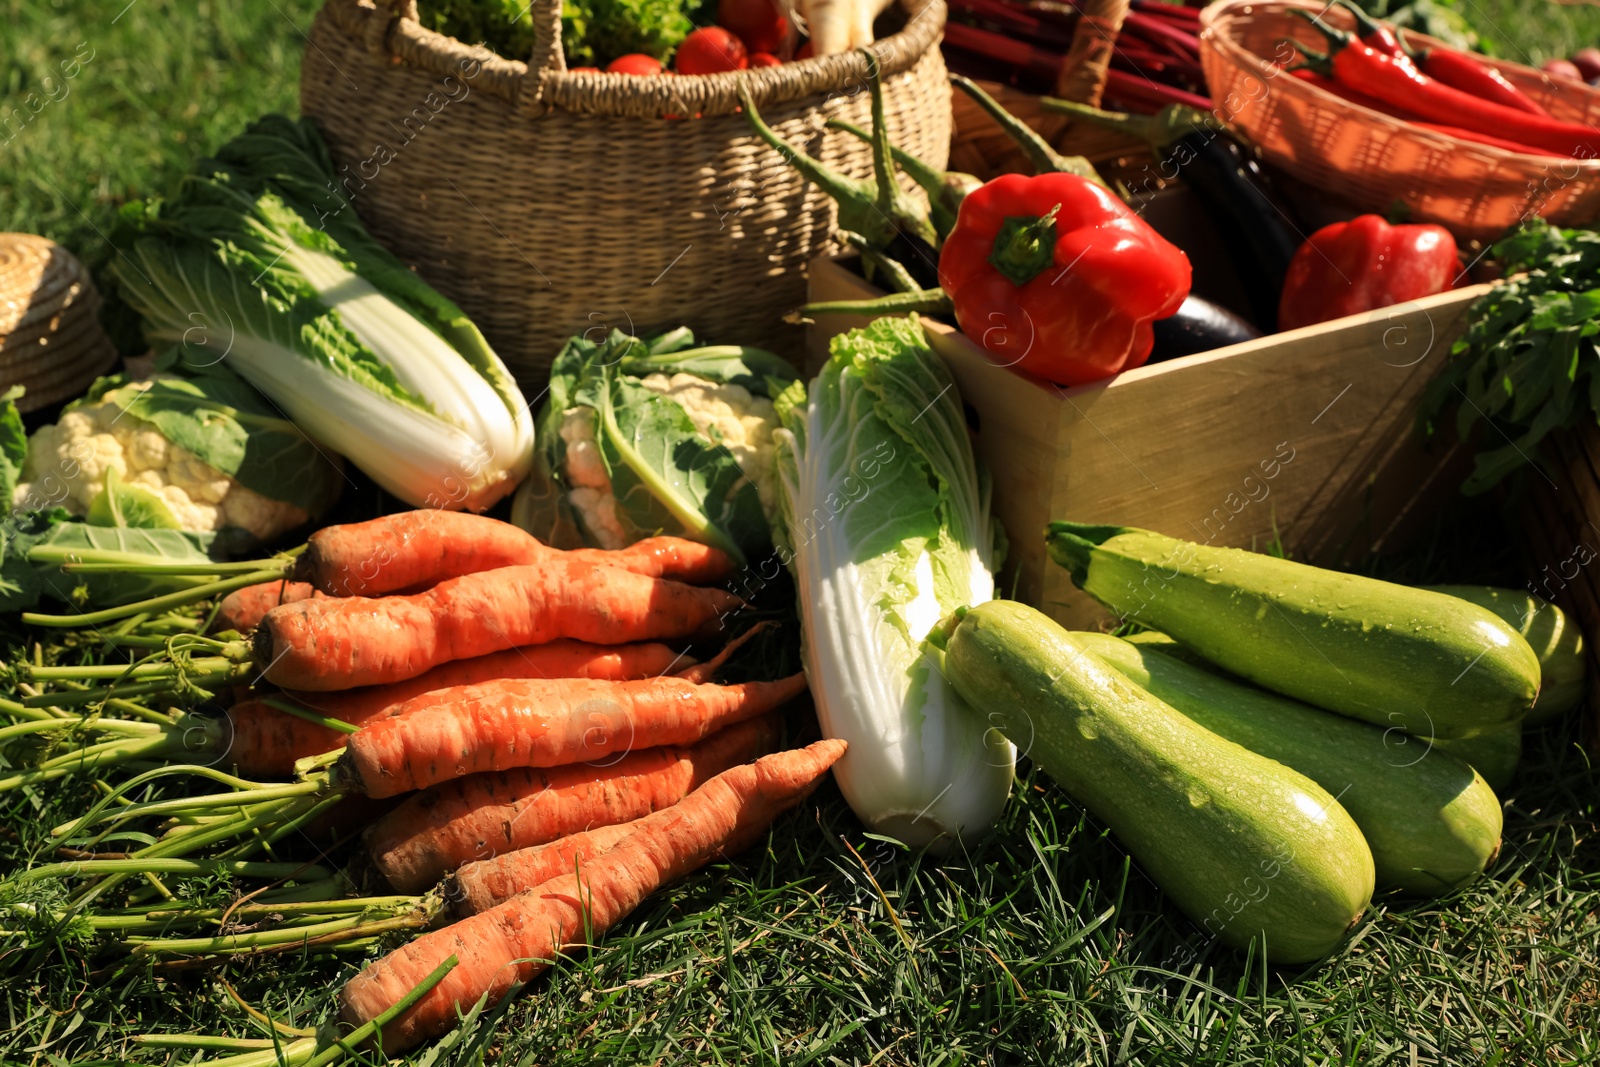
[(1261, 237), (1198, 326)]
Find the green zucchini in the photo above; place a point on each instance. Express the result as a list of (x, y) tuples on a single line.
[(1160, 642), (1432, 823), (1554, 637), (1493, 755), (1432, 665), (1245, 846)]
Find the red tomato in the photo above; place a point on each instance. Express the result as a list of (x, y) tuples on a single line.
[(636, 63), (764, 59), (805, 52), (711, 50), (759, 23)]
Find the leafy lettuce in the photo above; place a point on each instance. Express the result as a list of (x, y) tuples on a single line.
[(887, 528)]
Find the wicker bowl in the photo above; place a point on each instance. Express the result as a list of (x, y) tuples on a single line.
[(1372, 160)]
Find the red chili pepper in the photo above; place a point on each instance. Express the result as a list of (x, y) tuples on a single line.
[(1455, 69), (1343, 92), (1467, 74), (1401, 85), (1350, 267), (1054, 275), (1328, 85)]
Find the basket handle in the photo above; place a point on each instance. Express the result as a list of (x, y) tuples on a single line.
[(1082, 77), (377, 30), (547, 51)]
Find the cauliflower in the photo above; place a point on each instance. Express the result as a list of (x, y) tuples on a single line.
[(685, 445), (68, 462), (727, 414), (733, 417)]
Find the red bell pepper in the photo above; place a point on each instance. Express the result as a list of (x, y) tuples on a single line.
[(1350, 267), (1054, 275)]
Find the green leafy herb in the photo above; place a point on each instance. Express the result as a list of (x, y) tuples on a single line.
[(13, 443), (21, 583), (1528, 364)]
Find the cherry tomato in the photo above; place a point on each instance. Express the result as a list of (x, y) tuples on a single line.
[(635, 63), (711, 50), (759, 23), (764, 59)]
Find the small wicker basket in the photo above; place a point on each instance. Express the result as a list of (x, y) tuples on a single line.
[(548, 203), (51, 341), (1372, 160)]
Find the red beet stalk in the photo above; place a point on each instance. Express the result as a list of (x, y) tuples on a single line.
[(1024, 58), (1134, 89), (1163, 33)]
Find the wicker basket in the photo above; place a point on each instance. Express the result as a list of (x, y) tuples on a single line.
[(51, 341), (549, 203), (1372, 160)]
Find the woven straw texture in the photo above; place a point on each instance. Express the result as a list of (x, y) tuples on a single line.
[(51, 342), (548, 204), (1372, 160)]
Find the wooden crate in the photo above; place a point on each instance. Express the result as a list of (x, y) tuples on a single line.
[(1561, 525), (1309, 434)]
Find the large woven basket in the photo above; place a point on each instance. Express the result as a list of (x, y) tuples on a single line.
[(549, 203), (1372, 160)]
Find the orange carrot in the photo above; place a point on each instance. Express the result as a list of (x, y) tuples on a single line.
[(510, 943), (243, 609), (482, 884), (497, 726), (344, 642), (412, 549), (485, 884), (434, 832), (677, 558), (268, 741)]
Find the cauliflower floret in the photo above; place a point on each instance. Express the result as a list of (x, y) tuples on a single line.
[(196, 477), (733, 417), (597, 509), (191, 514), (249, 510), (590, 495), (583, 461), (145, 448)]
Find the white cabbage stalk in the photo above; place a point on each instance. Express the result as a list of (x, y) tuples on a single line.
[(258, 262), (886, 528)]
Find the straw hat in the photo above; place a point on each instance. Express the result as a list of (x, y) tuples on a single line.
[(50, 337)]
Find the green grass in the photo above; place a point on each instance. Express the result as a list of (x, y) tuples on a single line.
[(1532, 31), (158, 83)]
